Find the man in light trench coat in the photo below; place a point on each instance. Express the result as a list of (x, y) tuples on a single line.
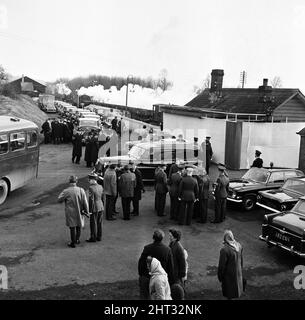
[(76, 206)]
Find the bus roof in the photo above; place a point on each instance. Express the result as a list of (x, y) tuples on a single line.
[(13, 123)]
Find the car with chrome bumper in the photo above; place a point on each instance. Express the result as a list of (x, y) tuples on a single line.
[(282, 199), (286, 230), (148, 156), (244, 191)]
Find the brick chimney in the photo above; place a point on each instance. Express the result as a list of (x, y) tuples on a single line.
[(216, 80), (265, 88), (22, 81)]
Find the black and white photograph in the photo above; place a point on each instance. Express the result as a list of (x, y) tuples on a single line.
[(152, 150)]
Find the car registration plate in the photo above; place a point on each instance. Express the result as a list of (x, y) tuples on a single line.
[(283, 237)]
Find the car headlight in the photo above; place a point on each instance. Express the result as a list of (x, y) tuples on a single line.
[(233, 194)]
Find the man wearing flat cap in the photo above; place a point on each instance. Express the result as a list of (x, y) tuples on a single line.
[(96, 208), (76, 203), (127, 184), (221, 193), (258, 162)]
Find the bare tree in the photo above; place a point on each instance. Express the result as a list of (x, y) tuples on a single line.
[(276, 82), (205, 84), (164, 83), (3, 75)]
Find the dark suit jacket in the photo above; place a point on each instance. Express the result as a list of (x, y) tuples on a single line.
[(161, 252), (204, 185), (127, 184), (139, 185), (161, 182), (174, 182), (179, 260), (258, 163), (222, 187), (188, 189)]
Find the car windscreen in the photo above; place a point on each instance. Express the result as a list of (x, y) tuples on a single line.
[(299, 207), (256, 174), (295, 185), (88, 123), (136, 152)]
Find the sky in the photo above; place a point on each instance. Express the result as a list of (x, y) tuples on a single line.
[(49, 39)]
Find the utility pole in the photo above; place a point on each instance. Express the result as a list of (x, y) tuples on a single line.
[(129, 77), (243, 79)]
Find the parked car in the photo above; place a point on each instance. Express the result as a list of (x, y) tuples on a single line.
[(244, 191), (282, 199), (286, 230), (149, 156), (149, 138), (86, 125)]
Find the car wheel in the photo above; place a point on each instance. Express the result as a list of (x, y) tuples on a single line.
[(3, 191), (249, 202)]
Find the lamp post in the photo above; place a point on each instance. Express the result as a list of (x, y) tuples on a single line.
[(129, 77)]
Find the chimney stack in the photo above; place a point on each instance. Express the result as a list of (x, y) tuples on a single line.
[(216, 80), (265, 88), (22, 81)]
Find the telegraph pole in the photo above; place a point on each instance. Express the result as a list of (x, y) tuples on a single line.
[(243, 79)]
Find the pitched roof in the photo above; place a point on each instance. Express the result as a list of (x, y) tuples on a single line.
[(237, 100), (20, 78)]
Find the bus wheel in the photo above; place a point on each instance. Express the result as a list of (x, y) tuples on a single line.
[(3, 191)]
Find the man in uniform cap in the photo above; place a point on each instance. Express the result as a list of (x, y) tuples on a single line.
[(221, 192), (258, 162), (188, 194), (209, 152), (96, 208)]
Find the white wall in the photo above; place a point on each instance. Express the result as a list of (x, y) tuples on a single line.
[(278, 143), (192, 127)]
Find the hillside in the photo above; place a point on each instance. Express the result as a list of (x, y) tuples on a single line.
[(23, 107)]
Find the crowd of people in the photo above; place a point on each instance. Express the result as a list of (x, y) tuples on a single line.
[(57, 131), (189, 190)]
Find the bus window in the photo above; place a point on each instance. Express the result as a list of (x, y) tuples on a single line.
[(17, 141), (3, 144), (31, 139)]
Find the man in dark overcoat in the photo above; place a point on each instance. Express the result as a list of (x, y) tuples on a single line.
[(157, 250), (174, 182), (161, 190), (127, 184), (46, 130), (204, 186), (110, 190), (138, 189), (77, 147), (221, 193), (209, 152), (188, 194)]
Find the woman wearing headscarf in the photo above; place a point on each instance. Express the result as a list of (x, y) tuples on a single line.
[(159, 288), (230, 267)]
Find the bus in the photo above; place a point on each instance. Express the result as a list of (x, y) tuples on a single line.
[(19, 154)]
